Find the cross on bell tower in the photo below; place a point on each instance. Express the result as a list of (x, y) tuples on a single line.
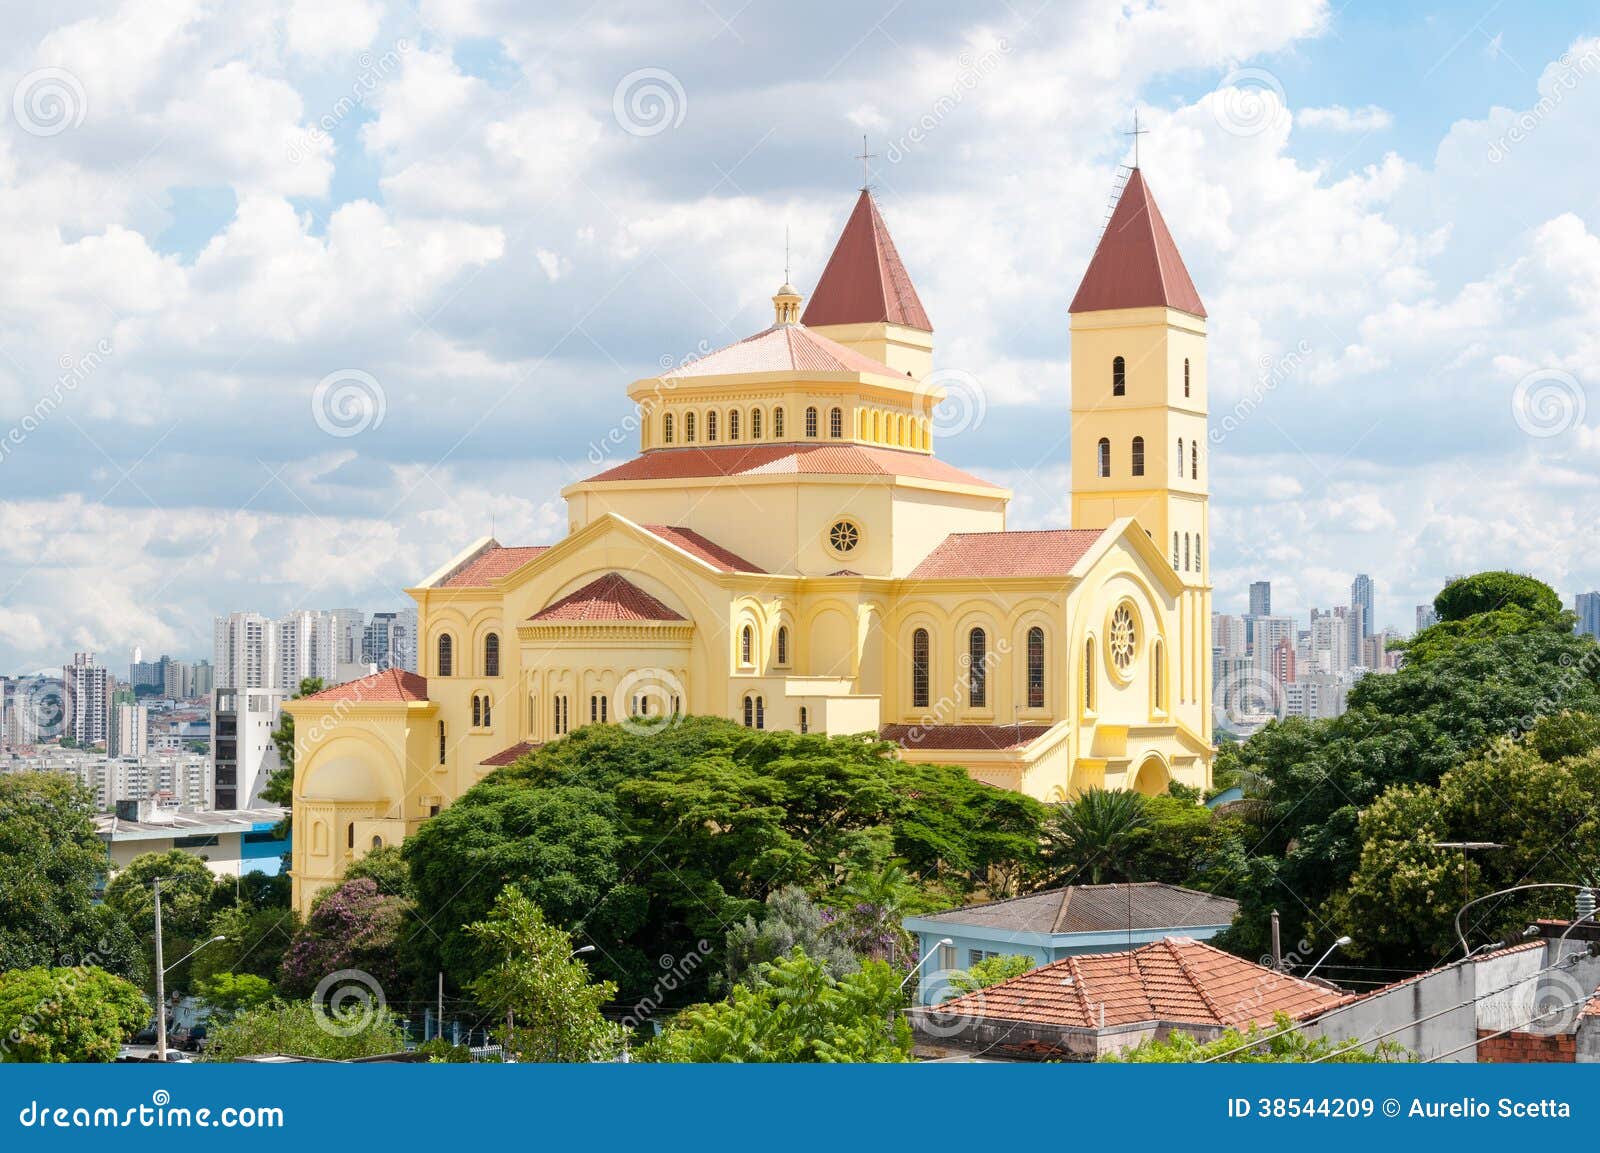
[(1136, 133), (866, 159)]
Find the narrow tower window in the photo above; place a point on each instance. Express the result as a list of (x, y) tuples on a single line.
[(1138, 456), (1186, 376), (836, 423), (733, 424), (1119, 376), (746, 645), (919, 669), (1185, 552), (783, 645), (1105, 456), (978, 669), (491, 655), (711, 427), (1180, 458), (1036, 668), (688, 427), (1174, 552), (1088, 675), (446, 647), (811, 422), (666, 429), (755, 424), (1194, 460), (777, 423)]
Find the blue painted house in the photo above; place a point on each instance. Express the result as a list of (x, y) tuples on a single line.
[(1062, 923)]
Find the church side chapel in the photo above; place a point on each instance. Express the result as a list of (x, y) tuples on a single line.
[(787, 550)]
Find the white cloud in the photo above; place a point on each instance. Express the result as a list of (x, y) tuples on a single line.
[(1338, 118)]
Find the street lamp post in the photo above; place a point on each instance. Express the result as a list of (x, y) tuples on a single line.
[(917, 968), (1339, 944), (161, 985)]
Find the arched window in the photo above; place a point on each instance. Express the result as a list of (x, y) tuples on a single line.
[(761, 712), (733, 424), (919, 669), (377, 842), (477, 711), (1104, 451), (836, 423), (777, 424), (811, 422), (711, 427), (441, 742), (1185, 552), (746, 645), (783, 645), (1197, 552), (1088, 675), (1156, 674), (755, 713), (488, 721), (491, 655), (666, 429), (978, 669), (877, 427), (1180, 458), (755, 424), (1186, 376), (1036, 668), (1174, 552), (688, 428), (1138, 456), (350, 835), (446, 652), (1119, 376), (900, 430), (1194, 461), (805, 721)]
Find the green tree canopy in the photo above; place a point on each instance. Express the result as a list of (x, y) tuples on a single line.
[(649, 843), (76, 1014), (253, 941), (386, 868), (1489, 592), (987, 972), (1093, 837), (187, 886), (229, 994), (301, 1029), (351, 927), (51, 862), (543, 993), (797, 1014), (1538, 797), (790, 919)]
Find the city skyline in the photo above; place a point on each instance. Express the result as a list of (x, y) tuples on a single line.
[(340, 282)]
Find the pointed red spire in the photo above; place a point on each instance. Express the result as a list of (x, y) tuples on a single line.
[(1137, 264), (864, 281)]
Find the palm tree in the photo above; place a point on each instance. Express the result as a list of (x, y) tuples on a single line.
[(1095, 832)]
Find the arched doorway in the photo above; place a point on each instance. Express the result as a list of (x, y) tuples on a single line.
[(1152, 778)]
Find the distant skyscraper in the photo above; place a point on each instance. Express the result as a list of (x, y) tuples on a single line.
[(1587, 606), (1283, 660), (1426, 617), (87, 697), (390, 641), (1261, 598), (1361, 597), (243, 651)]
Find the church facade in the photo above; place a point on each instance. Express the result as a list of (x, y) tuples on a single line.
[(787, 551)]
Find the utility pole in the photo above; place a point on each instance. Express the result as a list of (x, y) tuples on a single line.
[(441, 1003), (161, 985), (1277, 944)]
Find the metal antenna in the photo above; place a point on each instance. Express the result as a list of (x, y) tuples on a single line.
[(786, 254)]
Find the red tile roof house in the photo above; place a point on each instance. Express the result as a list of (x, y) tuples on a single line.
[(1060, 923), (1085, 1007)]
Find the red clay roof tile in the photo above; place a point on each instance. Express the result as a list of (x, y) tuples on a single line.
[(781, 348), (610, 598), (1136, 264), (1042, 552), (786, 459), (491, 564), (962, 738), (1176, 980), (508, 756), (385, 687), (865, 280), (707, 550)]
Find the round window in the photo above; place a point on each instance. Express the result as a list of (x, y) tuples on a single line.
[(1123, 639), (843, 536)]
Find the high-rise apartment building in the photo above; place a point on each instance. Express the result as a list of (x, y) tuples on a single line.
[(1587, 606), (243, 646), (86, 701), (389, 641), (1426, 617), (1261, 598), (243, 756), (1282, 665), (1361, 598), (130, 731)]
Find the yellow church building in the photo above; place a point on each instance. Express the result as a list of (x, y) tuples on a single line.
[(787, 550)]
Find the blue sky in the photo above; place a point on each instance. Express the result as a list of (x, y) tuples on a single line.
[(210, 213)]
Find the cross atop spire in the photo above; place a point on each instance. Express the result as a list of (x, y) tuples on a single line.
[(1136, 133), (866, 159)]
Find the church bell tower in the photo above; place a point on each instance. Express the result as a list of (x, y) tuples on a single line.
[(1139, 445)]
